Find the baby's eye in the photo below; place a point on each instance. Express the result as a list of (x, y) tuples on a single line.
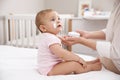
[(53, 19), (59, 18)]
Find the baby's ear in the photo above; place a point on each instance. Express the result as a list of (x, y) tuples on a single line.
[(42, 28)]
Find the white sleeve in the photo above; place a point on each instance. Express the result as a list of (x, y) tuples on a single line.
[(103, 48), (115, 47)]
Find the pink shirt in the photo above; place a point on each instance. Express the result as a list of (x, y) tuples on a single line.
[(46, 59)]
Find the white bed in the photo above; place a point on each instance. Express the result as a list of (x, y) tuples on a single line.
[(20, 64)]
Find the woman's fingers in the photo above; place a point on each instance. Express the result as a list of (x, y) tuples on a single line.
[(60, 37), (70, 38), (67, 40), (64, 41), (81, 32)]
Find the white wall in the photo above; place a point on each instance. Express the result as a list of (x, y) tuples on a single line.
[(63, 6), (71, 6), (20, 6), (17, 7), (105, 5)]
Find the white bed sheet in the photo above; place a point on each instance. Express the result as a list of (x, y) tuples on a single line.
[(20, 64)]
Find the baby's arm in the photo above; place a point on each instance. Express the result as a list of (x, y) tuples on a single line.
[(66, 55)]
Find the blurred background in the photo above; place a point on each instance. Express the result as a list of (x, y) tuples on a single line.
[(88, 15), (95, 11), (62, 6)]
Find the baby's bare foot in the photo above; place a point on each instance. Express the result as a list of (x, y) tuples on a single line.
[(94, 61), (96, 66)]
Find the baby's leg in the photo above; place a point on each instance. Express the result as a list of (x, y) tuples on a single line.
[(69, 67), (65, 68), (96, 66)]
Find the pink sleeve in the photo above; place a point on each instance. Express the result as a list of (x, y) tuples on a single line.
[(52, 39)]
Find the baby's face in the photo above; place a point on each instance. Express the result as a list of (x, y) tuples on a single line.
[(53, 23)]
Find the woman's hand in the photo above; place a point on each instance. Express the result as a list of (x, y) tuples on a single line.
[(84, 34), (92, 35), (66, 40), (70, 40)]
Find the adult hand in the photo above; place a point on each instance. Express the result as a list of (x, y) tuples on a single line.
[(67, 40), (63, 39), (83, 33)]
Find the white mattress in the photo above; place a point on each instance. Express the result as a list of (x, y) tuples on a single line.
[(20, 64)]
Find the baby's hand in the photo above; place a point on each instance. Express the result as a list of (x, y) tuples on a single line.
[(83, 62)]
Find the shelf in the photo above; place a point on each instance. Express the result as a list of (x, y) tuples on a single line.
[(90, 17), (97, 17)]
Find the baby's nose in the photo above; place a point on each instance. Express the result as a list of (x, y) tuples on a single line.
[(58, 21)]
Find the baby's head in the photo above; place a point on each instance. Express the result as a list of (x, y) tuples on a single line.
[(48, 21)]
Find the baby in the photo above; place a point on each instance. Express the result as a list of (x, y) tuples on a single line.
[(52, 58)]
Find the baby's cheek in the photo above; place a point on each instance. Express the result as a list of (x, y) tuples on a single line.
[(54, 25)]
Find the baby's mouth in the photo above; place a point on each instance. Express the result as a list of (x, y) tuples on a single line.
[(59, 26)]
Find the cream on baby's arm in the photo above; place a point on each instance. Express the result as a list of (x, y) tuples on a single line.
[(66, 55)]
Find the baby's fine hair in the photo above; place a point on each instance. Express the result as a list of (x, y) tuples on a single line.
[(40, 17)]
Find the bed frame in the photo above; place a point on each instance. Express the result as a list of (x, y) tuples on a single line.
[(19, 28), (21, 31)]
